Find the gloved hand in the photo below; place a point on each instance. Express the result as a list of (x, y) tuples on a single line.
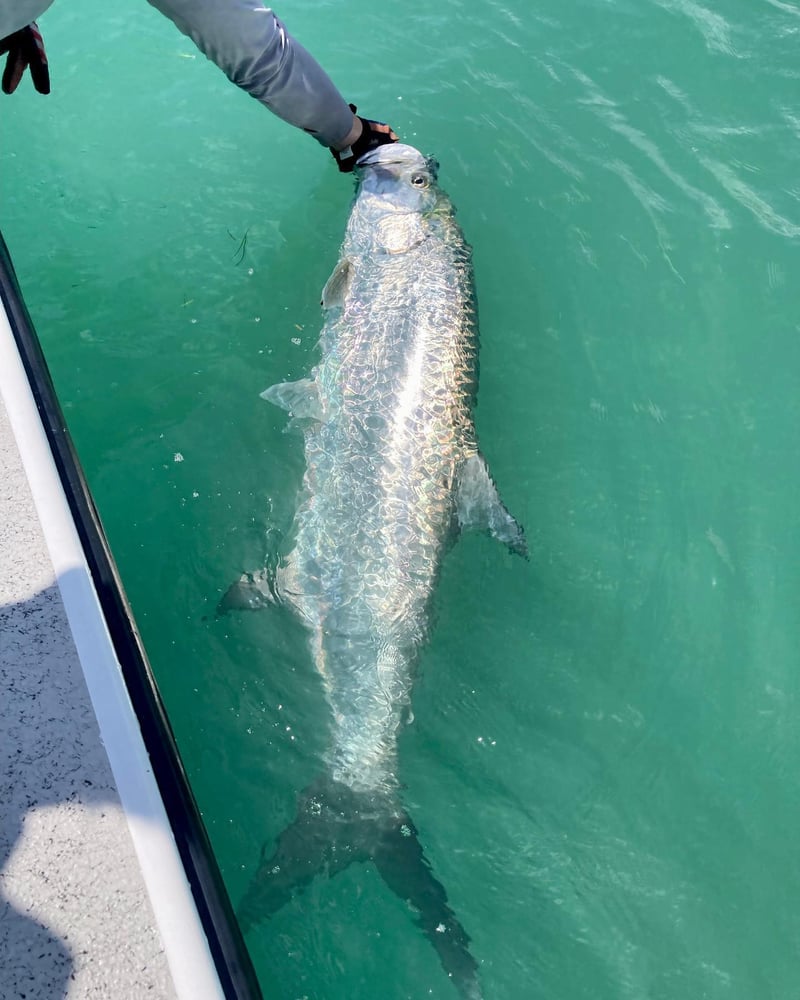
[(373, 134), (25, 49)]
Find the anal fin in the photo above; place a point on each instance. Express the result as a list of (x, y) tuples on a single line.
[(479, 506)]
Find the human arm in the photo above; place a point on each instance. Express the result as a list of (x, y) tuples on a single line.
[(254, 50)]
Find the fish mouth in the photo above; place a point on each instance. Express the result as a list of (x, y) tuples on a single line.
[(396, 153)]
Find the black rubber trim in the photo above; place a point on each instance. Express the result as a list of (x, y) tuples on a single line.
[(234, 967)]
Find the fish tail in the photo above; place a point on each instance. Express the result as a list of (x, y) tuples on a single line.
[(336, 826), (404, 868)]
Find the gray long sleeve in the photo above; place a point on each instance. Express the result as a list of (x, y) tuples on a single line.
[(254, 50)]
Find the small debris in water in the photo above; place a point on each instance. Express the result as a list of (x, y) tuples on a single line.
[(177, 457)]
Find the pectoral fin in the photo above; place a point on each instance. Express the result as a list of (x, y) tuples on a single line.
[(479, 506), (335, 290), (299, 399)]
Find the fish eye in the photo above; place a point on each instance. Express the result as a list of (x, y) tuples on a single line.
[(419, 180)]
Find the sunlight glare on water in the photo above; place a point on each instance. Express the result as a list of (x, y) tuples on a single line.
[(602, 763)]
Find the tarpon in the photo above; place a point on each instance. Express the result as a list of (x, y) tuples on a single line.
[(393, 472)]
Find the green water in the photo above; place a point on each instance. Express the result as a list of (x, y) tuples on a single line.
[(603, 763)]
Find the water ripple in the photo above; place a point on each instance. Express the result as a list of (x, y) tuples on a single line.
[(764, 213), (712, 26), (788, 8), (616, 122)]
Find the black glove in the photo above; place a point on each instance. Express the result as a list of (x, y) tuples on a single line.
[(373, 134), (25, 49)]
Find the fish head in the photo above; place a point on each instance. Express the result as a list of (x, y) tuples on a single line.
[(397, 178)]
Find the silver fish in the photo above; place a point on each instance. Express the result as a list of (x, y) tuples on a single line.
[(393, 472)]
